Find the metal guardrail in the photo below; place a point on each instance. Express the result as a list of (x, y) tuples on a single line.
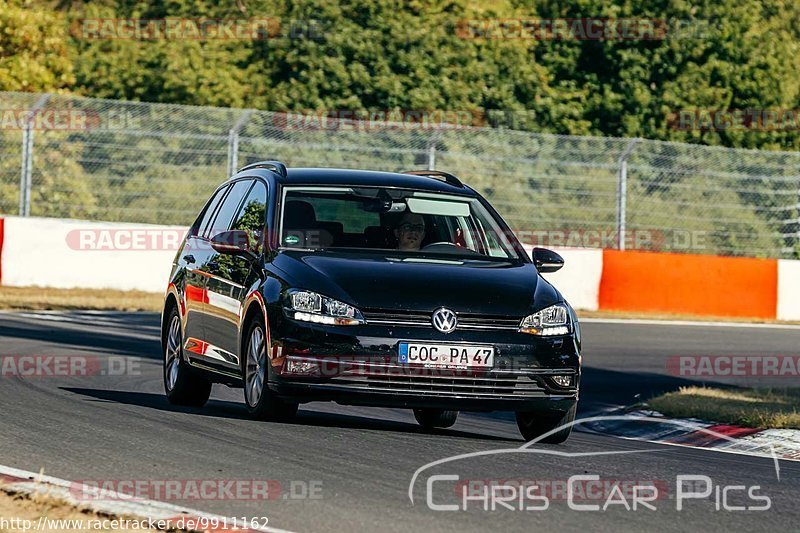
[(65, 156)]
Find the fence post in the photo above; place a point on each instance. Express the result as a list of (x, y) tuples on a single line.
[(233, 141), (26, 169), (432, 150), (622, 193)]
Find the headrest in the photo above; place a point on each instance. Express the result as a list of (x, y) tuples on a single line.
[(298, 214)]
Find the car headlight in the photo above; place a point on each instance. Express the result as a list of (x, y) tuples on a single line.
[(309, 306), (553, 320)]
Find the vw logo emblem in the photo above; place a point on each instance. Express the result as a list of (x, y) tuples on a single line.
[(444, 320)]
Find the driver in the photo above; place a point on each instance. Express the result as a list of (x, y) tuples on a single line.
[(410, 231)]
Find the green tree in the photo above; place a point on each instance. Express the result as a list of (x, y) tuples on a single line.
[(34, 54)]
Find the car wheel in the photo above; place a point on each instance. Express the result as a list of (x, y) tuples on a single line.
[(435, 418), (182, 386), (534, 424), (260, 402)]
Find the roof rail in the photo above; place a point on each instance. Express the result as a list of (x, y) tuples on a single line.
[(437, 175), (275, 166)]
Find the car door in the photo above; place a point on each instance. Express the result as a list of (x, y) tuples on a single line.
[(191, 260), (232, 275), (208, 350)]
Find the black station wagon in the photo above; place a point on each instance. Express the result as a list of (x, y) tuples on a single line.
[(368, 288)]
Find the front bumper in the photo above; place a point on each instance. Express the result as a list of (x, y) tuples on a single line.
[(358, 365)]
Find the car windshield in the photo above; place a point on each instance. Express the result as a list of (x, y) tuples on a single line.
[(376, 218)]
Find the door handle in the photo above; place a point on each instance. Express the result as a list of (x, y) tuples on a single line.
[(189, 258)]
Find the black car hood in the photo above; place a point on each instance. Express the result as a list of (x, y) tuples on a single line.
[(403, 282)]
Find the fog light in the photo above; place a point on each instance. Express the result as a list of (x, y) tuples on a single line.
[(301, 366), (563, 381)]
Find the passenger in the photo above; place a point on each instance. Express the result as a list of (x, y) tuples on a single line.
[(410, 231)]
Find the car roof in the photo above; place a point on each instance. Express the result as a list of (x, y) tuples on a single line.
[(342, 176)]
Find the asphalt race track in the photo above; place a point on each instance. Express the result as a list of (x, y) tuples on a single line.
[(345, 468)]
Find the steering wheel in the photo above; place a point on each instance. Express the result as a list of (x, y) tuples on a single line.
[(440, 243)]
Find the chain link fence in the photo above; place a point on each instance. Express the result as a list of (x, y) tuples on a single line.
[(64, 156)]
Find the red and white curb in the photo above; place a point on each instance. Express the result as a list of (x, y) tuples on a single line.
[(638, 425), (15, 481)]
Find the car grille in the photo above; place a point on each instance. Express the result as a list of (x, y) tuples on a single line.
[(418, 319), (399, 380)]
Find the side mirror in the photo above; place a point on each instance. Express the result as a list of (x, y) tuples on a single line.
[(546, 260), (236, 242)]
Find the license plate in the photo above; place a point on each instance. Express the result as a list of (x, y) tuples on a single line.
[(446, 355)]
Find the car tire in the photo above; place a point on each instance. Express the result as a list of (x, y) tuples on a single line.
[(435, 418), (181, 385), (534, 424), (261, 403)]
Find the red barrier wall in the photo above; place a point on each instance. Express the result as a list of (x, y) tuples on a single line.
[(689, 284), (2, 235)]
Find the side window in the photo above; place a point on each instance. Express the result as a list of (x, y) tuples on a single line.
[(252, 215), (205, 216), (228, 208), (349, 214)]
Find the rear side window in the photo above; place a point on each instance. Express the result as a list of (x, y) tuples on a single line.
[(352, 218), (202, 221), (228, 209), (252, 214)]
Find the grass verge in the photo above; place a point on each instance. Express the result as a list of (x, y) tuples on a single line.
[(22, 513), (38, 298), (755, 408)]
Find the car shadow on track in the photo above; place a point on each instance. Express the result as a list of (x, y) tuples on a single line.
[(214, 408), (305, 417), (601, 387), (339, 420)]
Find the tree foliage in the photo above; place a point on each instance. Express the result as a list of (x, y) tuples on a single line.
[(34, 52), (409, 55)]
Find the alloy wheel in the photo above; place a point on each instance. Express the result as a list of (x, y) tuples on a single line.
[(255, 368)]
